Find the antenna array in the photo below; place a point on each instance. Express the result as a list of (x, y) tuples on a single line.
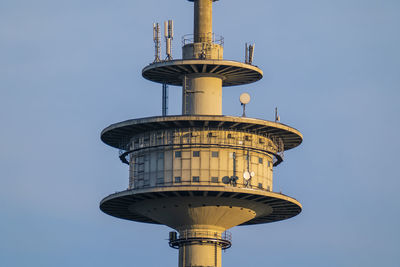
[(169, 36), (157, 42)]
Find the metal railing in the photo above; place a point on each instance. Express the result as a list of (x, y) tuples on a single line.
[(209, 37), (188, 237), (185, 234), (137, 184), (208, 136)]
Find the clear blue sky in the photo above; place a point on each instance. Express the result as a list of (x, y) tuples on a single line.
[(70, 68)]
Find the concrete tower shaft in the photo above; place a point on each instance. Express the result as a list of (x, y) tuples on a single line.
[(202, 95), (204, 44), (202, 21), (202, 92)]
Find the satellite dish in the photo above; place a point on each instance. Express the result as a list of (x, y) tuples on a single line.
[(226, 180), (246, 175), (252, 174), (244, 98)]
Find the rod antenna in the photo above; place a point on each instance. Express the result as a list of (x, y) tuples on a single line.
[(277, 117), (249, 53), (246, 54)]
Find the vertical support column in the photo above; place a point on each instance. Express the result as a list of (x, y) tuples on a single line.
[(164, 99), (200, 254), (202, 95), (202, 91), (202, 21)]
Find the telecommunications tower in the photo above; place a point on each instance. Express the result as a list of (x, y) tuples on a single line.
[(201, 172)]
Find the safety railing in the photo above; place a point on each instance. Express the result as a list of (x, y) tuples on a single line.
[(187, 237), (212, 137), (209, 37), (140, 184)]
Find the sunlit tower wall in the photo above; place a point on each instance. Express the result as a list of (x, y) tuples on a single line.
[(201, 173)]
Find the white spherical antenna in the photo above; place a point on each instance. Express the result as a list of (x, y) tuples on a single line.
[(246, 175), (244, 98)]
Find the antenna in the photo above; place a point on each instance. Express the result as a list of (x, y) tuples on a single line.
[(244, 99), (226, 180), (251, 53), (157, 41), (168, 49), (169, 36), (171, 29), (246, 55), (166, 29), (277, 117)]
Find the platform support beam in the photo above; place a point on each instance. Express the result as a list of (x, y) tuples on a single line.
[(200, 253)]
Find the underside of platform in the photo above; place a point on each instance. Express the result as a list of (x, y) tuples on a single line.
[(164, 205)]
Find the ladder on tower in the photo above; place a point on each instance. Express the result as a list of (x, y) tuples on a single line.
[(185, 94)]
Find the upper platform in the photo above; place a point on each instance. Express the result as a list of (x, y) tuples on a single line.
[(118, 135), (173, 72)]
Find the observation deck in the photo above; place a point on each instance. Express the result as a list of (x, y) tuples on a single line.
[(118, 135), (256, 204)]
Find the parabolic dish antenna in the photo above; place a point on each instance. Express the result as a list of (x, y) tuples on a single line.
[(246, 175), (226, 180), (252, 174), (244, 98)]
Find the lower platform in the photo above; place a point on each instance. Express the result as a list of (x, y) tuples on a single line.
[(178, 206)]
